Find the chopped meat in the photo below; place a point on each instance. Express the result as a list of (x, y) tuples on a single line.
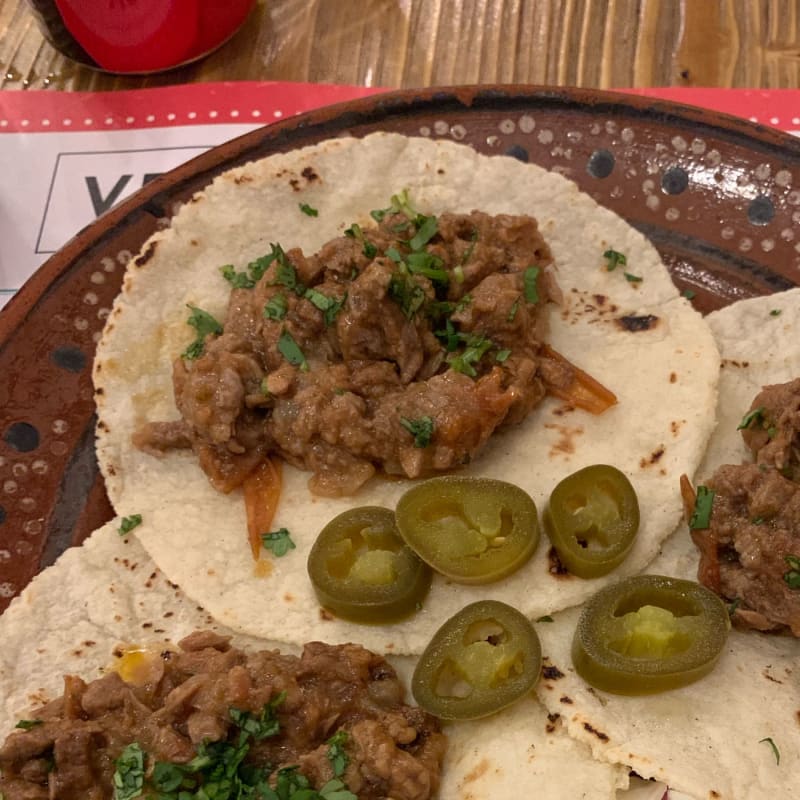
[(754, 526), (328, 358), (772, 431), (392, 750)]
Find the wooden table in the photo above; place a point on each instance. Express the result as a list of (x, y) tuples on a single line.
[(412, 43)]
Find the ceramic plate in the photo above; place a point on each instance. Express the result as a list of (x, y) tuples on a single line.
[(719, 197)]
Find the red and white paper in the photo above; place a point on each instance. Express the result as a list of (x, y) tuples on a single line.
[(66, 157)]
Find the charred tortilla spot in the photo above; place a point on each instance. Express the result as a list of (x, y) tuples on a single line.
[(326, 615), (552, 722), (288, 597), (146, 255), (653, 458), (562, 410), (566, 700), (635, 324), (714, 793), (309, 174), (770, 677), (295, 184), (239, 179), (603, 737), (600, 299), (551, 672), (673, 377), (111, 470), (556, 567), (566, 442)]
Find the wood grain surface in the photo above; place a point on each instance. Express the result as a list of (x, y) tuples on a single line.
[(414, 43)]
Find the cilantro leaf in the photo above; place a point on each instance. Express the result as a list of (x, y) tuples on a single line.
[(476, 347), (701, 518), (237, 280), (264, 725), (355, 232), (291, 351), (329, 306), (421, 429), (776, 312), (279, 542), (205, 325), (632, 278), (751, 417), (529, 278), (545, 618), (308, 210), (427, 228), (276, 307), (400, 204), (129, 774), (792, 577), (689, 294), (27, 724), (129, 523), (337, 754), (407, 293), (614, 259)]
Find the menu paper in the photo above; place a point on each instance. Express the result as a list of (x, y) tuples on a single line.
[(67, 157)]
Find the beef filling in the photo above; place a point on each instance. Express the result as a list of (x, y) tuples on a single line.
[(399, 348), (754, 526), (208, 699), (771, 429)]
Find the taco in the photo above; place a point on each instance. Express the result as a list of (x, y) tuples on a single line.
[(124, 635), (734, 733), (627, 327)]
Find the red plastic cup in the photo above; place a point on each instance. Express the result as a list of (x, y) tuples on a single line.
[(138, 36)]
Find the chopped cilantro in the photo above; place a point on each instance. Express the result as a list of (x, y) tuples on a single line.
[(427, 228), (255, 269), (546, 618), (632, 278), (286, 275), (751, 417), (129, 523), (291, 351), (772, 431), (614, 259), (792, 577), (776, 312), (689, 294), (775, 751), (329, 306), (468, 252), (476, 347), (279, 542), (407, 293), (265, 724), (355, 232), (237, 280), (701, 518), (502, 355), (205, 325), (129, 774), (458, 273), (758, 520), (421, 429), (308, 210), (276, 307), (428, 265), (733, 606), (512, 312), (400, 204), (27, 724), (529, 278), (336, 752)]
